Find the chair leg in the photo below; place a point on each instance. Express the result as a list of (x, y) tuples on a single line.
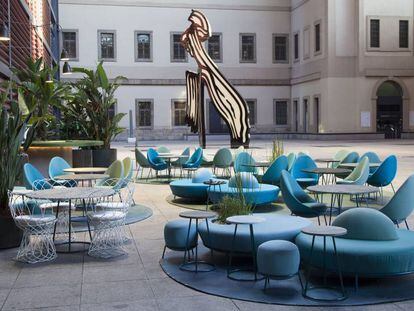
[(163, 252), (392, 186), (324, 217), (406, 224), (319, 221)]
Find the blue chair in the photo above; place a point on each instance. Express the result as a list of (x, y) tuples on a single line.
[(240, 161), (33, 179), (274, 172), (195, 160), (373, 158), (156, 163), (401, 204), (304, 179), (351, 157), (185, 155), (298, 201), (56, 168), (384, 174)]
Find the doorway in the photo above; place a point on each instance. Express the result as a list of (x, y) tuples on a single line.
[(216, 124), (390, 109)]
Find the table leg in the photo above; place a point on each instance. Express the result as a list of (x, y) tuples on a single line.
[(196, 255), (209, 241), (57, 215), (339, 270), (309, 267), (253, 251), (70, 225), (186, 242), (231, 251)]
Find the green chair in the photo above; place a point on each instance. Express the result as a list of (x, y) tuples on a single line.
[(116, 173), (291, 160), (185, 155), (142, 162), (163, 149), (359, 174), (339, 156), (128, 168), (223, 159)]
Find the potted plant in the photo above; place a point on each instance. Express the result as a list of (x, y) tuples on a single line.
[(13, 125), (94, 102)]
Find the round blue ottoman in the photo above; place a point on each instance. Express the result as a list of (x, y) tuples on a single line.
[(175, 235), (278, 259)]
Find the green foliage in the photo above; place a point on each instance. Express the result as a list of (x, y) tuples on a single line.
[(232, 205), (14, 118), (87, 112), (277, 150)]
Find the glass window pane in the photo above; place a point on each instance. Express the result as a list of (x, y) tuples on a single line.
[(248, 48), (143, 113), (179, 113), (252, 117), (107, 45), (317, 37), (143, 46), (69, 43), (213, 47), (403, 34), (375, 33), (178, 50), (280, 48), (281, 112), (296, 46)]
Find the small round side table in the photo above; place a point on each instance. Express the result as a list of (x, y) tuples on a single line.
[(197, 265), (212, 183), (324, 232), (249, 220)]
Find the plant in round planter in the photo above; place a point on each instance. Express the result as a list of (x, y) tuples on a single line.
[(14, 140), (93, 106)]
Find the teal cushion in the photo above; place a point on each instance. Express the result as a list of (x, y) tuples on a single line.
[(202, 175), (278, 258), (246, 180), (366, 224), (175, 235)]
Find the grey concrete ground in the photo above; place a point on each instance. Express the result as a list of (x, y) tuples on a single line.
[(136, 281)]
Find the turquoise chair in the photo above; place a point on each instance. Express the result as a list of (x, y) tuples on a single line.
[(274, 172), (195, 160), (223, 159), (304, 179), (384, 174), (163, 149), (141, 162), (33, 179), (401, 204), (351, 157), (359, 174), (156, 163), (291, 160), (242, 159), (298, 201), (185, 155), (57, 165), (373, 158)]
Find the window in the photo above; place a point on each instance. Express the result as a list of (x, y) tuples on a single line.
[(143, 46), (247, 48), (317, 37), (374, 33), (178, 53), (107, 45), (179, 114), (404, 34), (306, 42), (280, 48), (70, 43), (143, 112), (281, 112), (251, 103), (296, 46), (214, 47)]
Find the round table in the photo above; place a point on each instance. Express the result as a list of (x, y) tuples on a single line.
[(353, 165), (82, 177), (338, 191), (197, 265), (327, 161), (249, 220), (328, 174), (213, 183), (85, 170), (324, 232), (69, 194)]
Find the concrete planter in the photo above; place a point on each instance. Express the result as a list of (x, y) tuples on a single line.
[(10, 235)]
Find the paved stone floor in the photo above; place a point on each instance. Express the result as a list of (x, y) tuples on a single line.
[(136, 281)]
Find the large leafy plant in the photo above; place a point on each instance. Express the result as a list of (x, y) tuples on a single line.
[(92, 103), (15, 138)]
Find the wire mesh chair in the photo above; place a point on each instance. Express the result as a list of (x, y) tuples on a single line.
[(37, 243), (61, 230), (108, 220)]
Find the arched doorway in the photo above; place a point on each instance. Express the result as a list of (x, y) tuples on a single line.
[(390, 109)]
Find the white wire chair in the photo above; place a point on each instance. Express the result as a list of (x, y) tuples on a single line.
[(61, 230), (37, 243), (108, 220)]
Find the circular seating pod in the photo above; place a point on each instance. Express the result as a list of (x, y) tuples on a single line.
[(373, 247), (254, 193), (194, 188), (275, 227)]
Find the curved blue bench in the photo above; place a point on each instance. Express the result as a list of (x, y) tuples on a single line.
[(275, 227), (373, 247), (254, 193)]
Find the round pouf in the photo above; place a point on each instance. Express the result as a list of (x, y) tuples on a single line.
[(278, 259), (175, 235)]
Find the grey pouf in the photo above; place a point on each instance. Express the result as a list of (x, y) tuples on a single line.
[(278, 259), (175, 235)]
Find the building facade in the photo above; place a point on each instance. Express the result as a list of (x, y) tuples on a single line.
[(304, 66)]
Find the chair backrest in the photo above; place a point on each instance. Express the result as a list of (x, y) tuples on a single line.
[(401, 204), (57, 166), (31, 174), (42, 184), (372, 157), (244, 158), (223, 158), (385, 173), (291, 160), (238, 151), (163, 149), (351, 157), (339, 156), (116, 170), (153, 158), (294, 195), (360, 173), (274, 172), (303, 162), (141, 159), (185, 155), (128, 168), (303, 153), (196, 157)]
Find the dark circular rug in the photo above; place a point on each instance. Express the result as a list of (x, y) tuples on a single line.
[(285, 292)]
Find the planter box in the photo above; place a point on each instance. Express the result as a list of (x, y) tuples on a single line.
[(10, 235), (103, 157), (82, 158)]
